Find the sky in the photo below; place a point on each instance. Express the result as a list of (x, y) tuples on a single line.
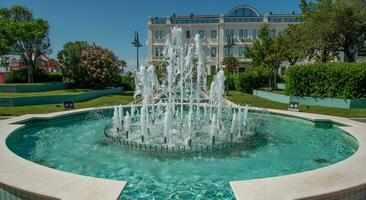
[(111, 23)]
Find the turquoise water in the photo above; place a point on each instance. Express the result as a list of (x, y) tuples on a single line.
[(77, 145)]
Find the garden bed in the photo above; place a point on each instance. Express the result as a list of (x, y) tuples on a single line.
[(31, 87), (314, 101)]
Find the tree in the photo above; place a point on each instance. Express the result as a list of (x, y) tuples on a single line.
[(23, 36), (294, 44), (4, 62), (268, 52), (70, 60), (231, 63), (277, 54), (90, 66), (332, 26), (102, 67), (349, 22), (317, 30)]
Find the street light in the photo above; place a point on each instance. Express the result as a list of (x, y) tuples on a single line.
[(136, 43)]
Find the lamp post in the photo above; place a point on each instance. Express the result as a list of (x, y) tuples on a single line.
[(136, 43)]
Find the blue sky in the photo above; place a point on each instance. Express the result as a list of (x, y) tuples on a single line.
[(111, 23)]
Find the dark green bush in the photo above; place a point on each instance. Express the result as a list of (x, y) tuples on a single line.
[(39, 75), (128, 82), (251, 80), (341, 80), (255, 78), (232, 80)]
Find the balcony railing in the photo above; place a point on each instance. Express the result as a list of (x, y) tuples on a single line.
[(243, 19)]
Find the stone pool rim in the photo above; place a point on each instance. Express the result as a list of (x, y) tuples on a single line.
[(29, 177)]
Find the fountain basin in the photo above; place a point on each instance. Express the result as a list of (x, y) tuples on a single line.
[(237, 186)]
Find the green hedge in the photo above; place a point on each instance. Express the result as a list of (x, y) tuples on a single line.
[(21, 76), (128, 82), (340, 80)]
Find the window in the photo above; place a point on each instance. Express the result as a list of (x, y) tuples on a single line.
[(213, 51), (282, 70), (241, 52), (272, 33), (201, 33), (228, 51), (246, 34), (188, 34), (241, 69), (254, 34), (213, 33), (158, 52), (213, 69), (229, 32), (159, 35), (243, 33)]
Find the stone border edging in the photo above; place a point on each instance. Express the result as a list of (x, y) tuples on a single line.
[(24, 175), (335, 180)]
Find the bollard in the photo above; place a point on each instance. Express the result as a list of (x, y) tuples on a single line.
[(126, 135)]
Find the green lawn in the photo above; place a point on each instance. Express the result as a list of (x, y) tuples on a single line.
[(234, 96), (123, 98), (47, 93), (242, 99)]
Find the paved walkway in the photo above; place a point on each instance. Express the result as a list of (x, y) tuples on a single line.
[(5, 117), (359, 119)]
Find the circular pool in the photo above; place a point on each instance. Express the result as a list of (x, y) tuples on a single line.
[(76, 144)]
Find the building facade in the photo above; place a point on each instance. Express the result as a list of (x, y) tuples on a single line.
[(243, 22)]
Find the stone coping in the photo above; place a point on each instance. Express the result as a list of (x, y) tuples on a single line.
[(322, 183), (49, 183), (318, 183)]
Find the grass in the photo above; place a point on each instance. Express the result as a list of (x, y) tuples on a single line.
[(47, 93), (123, 98), (242, 99), (234, 96)]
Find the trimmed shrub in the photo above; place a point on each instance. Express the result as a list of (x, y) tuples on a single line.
[(232, 80), (39, 75), (332, 80), (253, 79), (128, 82)]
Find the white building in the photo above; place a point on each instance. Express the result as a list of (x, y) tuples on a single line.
[(242, 21)]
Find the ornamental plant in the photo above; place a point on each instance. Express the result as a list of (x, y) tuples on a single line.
[(90, 66), (333, 80)]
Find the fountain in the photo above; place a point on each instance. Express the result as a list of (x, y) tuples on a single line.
[(181, 114)]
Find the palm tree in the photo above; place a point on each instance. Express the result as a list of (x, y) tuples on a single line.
[(231, 63)]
